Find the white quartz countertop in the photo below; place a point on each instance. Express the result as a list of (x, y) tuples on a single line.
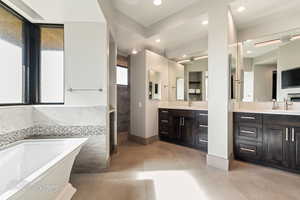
[(184, 108), (275, 112)]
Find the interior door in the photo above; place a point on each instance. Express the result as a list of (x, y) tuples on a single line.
[(275, 144), (295, 148)]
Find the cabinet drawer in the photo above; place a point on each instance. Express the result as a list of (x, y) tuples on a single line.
[(183, 113), (248, 131), (201, 143), (164, 124), (202, 118), (248, 118), (248, 150), (164, 114), (284, 120)]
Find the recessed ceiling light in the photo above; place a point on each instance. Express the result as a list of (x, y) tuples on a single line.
[(157, 40), (184, 56), (157, 2), (241, 9), (205, 22), (134, 51)]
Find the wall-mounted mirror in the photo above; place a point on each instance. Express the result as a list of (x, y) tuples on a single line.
[(189, 81), (154, 85), (269, 68)]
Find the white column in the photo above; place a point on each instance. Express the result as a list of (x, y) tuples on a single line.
[(219, 118)]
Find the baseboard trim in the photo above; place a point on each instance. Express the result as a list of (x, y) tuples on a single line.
[(144, 141), (218, 162)]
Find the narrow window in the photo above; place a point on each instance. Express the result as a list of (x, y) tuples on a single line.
[(12, 74), (52, 65), (122, 75)]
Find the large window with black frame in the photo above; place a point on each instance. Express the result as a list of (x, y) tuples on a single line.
[(31, 60)]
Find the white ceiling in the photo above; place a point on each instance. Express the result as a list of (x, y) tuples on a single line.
[(178, 23), (146, 13), (258, 11), (61, 11)]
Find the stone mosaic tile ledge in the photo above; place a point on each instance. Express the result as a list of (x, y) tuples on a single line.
[(61, 131)]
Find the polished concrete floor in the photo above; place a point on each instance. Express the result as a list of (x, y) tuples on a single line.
[(163, 171)]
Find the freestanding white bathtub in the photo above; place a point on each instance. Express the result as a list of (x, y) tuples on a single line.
[(38, 169)]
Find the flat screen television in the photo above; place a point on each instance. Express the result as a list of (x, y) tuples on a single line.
[(290, 78)]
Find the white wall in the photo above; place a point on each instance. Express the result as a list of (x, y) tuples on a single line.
[(144, 112), (288, 58), (138, 94), (221, 34), (159, 64), (86, 63)]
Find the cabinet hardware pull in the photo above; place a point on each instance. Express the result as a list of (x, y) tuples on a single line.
[(203, 114), (164, 121), (287, 134), (248, 118), (203, 126), (164, 111), (293, 135), (250, 132), (183, 121), (203, 141), (249, 150)]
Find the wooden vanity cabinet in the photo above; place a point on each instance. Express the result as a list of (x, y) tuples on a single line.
[(268, 139), (184, 127)]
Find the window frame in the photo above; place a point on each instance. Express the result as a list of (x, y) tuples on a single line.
[(31, 59), (40, 65)]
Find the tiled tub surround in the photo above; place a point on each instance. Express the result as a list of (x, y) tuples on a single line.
[(23, 122)]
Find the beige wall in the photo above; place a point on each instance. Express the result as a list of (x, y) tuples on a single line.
[(138, 94), (175, 71), (263, 82)]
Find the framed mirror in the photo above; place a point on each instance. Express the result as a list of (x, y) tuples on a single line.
[(269, 68)]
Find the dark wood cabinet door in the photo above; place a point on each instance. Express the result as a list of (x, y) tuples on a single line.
[(186, 136), (295, 148), (175, 127), (276, 145)]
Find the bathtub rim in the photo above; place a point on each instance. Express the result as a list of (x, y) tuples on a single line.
[(42, 170)]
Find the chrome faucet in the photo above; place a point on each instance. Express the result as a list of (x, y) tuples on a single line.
[(275, 104), (287, 104)]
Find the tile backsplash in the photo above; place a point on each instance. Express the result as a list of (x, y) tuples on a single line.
[(15, 118), (18, 123)]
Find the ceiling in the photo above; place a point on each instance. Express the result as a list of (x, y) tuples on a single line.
[(146, 13), (59, 11), (268, 54), (178, 23)]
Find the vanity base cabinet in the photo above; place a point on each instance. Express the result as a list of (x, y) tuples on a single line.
[(184, 127), (270, 140)]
